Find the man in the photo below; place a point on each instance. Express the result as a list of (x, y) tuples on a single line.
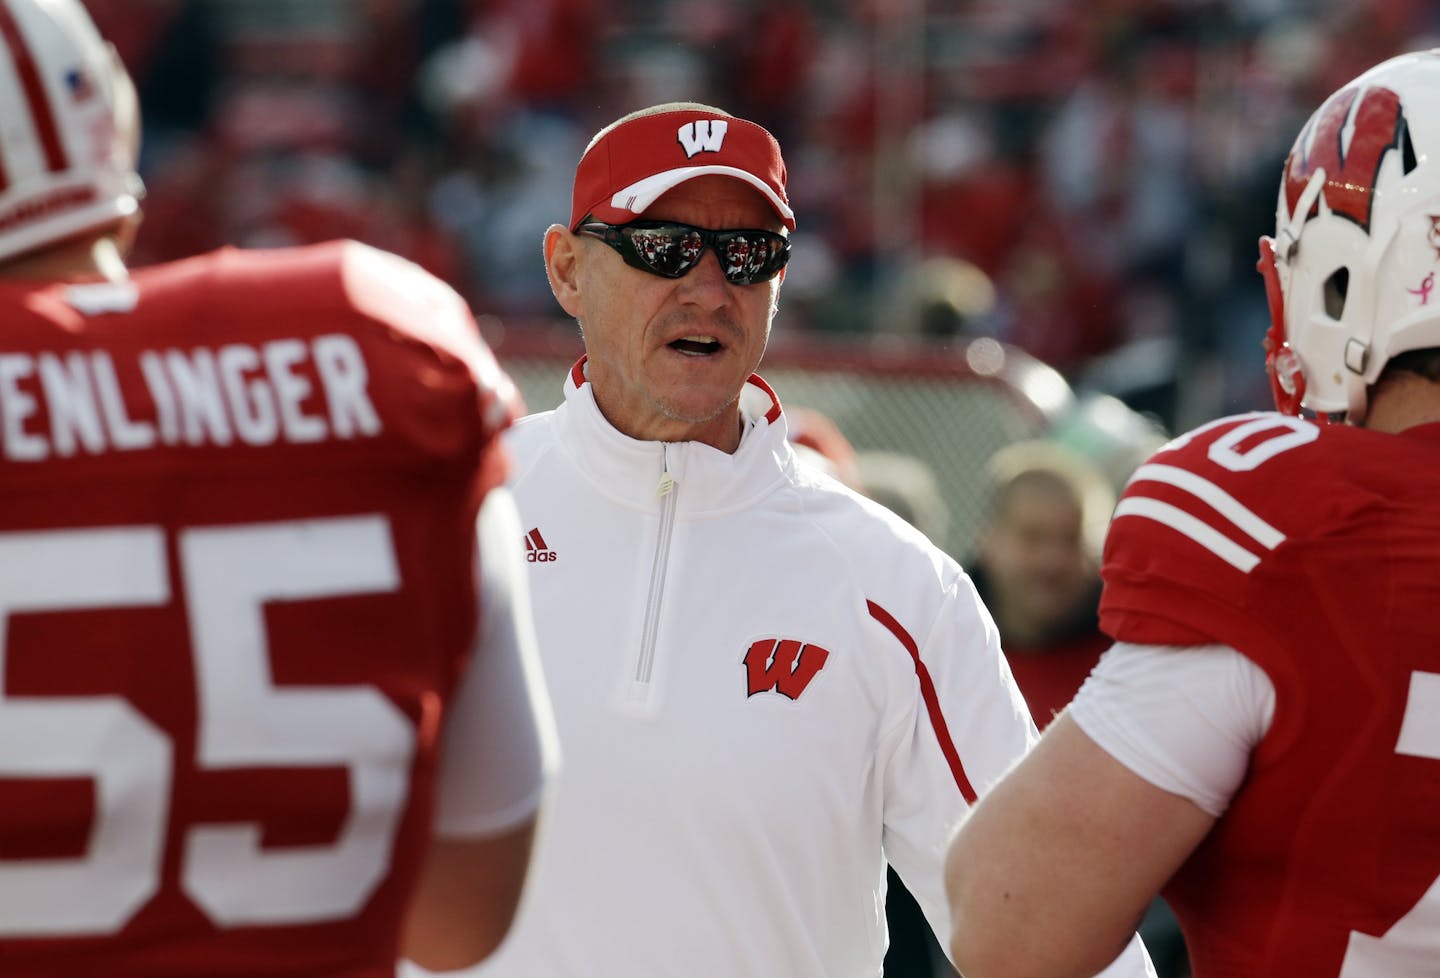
[(238, 579), (1037, 568), (1264, 735), (765, 685)]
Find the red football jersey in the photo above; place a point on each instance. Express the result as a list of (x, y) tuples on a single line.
[(237, 510), (1314, 551)]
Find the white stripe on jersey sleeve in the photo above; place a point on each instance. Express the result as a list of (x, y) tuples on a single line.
[(1217, 541), (1182, 522), (1218, 499)]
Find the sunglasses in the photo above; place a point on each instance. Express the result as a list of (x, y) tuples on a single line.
[(670, 249)]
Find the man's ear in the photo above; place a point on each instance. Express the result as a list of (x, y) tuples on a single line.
[(562, 267)]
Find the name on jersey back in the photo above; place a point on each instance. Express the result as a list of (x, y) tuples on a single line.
[(59, 404)]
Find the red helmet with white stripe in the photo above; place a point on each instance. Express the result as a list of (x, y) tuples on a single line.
[(69, 127), (1352, 270)]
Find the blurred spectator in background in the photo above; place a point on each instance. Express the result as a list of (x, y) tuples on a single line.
[(1036, 565), (907, 486)]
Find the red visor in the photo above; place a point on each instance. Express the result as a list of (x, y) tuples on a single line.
[(637, 161)]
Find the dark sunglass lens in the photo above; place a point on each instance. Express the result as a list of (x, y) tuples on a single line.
[(668, 251), (750, 258), (737, 256), (671, 250), (765, 254), (690, 246)]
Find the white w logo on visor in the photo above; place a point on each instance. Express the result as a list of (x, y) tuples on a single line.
[(706, 134)]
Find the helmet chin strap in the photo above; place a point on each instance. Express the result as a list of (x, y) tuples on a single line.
[(1357, 393), (1282, 364)]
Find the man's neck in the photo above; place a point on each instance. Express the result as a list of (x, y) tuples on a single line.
[(81, 260), (1402, 400), (724, 432)]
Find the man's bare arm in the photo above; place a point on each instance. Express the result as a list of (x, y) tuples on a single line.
[(466, 898), (1049, 875)]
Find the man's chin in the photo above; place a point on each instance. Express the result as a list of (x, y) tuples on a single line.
[(697, 407)]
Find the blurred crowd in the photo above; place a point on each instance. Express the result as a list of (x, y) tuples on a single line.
[(1084, 180)]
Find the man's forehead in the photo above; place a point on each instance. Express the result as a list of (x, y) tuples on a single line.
[(1038, 490), (717, 192)]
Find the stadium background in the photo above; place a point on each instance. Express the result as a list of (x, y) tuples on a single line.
[(1079, 184)]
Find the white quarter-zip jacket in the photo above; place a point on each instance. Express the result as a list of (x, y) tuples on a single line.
[(765, 687)]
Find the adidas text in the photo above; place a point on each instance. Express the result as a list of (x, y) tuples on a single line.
[(537, 551)]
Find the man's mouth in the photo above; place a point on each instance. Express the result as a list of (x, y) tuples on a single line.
[(696, 346)]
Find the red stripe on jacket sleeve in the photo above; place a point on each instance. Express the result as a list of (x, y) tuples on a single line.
[(932, 701)]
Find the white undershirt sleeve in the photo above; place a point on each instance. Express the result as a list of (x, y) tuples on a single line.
[(499, 747), (1184, 719)]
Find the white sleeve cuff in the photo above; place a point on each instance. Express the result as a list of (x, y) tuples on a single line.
[(499, 746), (1183, 718)]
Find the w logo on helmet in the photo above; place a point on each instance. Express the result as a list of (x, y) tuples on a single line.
[(1350, 169), (783, 665), (706, 135)]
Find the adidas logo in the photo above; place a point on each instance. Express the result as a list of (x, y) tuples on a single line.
[(536, 550)]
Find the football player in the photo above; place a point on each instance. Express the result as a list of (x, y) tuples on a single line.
[(267, 700), (1263, 741)]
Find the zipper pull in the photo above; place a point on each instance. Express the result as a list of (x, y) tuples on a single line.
[(667, 481)]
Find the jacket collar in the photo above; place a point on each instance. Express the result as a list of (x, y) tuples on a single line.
[(708, 481)]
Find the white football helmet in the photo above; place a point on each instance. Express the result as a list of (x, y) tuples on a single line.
[(69, 127), (1351, 273)]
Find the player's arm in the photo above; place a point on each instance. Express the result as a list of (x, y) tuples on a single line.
[(497, 755), (979, 712), (469, 889), (1050, 874), (1052, 870)]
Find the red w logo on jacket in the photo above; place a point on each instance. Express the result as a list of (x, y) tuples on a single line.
[(784, 665)]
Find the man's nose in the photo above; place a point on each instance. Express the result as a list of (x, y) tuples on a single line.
[(706, 279)]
